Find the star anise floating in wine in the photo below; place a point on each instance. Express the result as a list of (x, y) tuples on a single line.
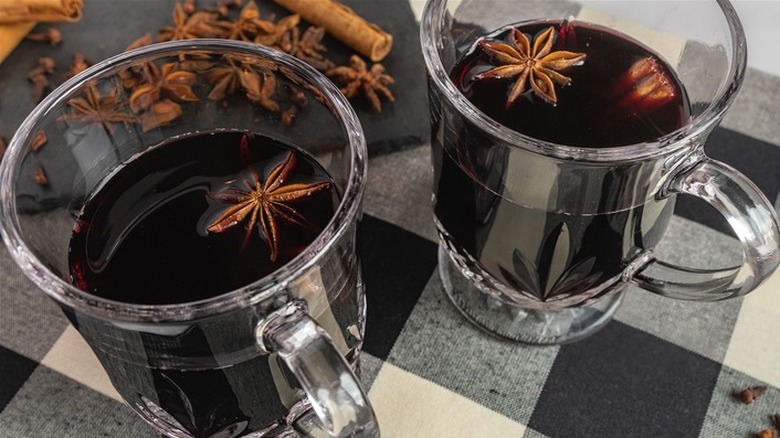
[(535, 65), (263, 203)]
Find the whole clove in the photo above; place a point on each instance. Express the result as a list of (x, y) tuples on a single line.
[(39, 79), (747, 395), (50, 35)]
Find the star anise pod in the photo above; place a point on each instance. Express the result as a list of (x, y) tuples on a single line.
[(535, 65), (95, 107), (161, 113), (168, 81), (259, 91), (307, 47), (197, 25), (274, 35), (247, 26), (264, 203), (357, 79), (145, 40)]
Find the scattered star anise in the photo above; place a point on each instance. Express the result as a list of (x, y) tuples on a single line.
[(535, 65), (197, 25), (274, 35), (247, 26), (94, 107), (167, 81), (264, 203), (259, 91), (307, 47), (358, 79), (161, 113)]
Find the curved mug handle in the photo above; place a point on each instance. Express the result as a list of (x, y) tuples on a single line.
[(750, 215), (327, 379)]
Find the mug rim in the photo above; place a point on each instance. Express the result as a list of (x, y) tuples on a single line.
[(430, 33), (262, 289)]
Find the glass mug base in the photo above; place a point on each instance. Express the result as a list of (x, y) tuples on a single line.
[(529, 326)]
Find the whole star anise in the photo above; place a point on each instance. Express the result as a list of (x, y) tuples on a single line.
[(274, 35), (197, 25), (107, 109), (247, 26), (357, 79), (264, 203), (535, 65), (167, 80), (307, 47)]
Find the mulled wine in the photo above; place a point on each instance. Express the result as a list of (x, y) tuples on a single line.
[(150, 234), (549, 235), (195, 217)]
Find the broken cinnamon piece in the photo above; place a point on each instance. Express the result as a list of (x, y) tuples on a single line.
[(40, 10), (50, 35), (38, 141), (344, 24), (747, 395)]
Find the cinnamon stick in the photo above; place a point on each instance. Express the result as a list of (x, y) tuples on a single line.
[(14, 11), (344, 24)]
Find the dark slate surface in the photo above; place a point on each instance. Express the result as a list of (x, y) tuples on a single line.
[(109, 26)]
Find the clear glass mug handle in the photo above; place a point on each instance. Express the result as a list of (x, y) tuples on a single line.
[(327, 379), (751, 216)]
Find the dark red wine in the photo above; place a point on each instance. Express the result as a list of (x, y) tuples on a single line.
[(149, 235), (504, 220), (621, 93), (144, 238)]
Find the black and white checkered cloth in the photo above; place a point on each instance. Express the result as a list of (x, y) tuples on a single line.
[(663, 368)]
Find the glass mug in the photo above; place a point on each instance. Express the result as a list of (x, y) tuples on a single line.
[(538, 240), (273, 358)]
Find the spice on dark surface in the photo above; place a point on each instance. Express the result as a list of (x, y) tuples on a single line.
[(78, 65), (51, 35), (2, 147), (39, 77), (747, 395), (39, 176), (38, 141), (357, 79)]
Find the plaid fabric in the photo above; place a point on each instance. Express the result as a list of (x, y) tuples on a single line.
[(663, 368)]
